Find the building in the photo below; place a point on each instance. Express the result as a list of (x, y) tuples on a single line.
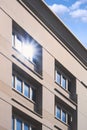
[(43, 79)]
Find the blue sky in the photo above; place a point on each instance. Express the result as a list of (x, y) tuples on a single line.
[(73, 13)]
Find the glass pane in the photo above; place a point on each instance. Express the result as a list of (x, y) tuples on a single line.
[(63, 82), (13, 81), (18, 124), (26, 90), (19, 85), (26, 127), (18, 44), (32, 94), (58, 78), (13, 39), (12, 123), (64, 116), (58, 112)]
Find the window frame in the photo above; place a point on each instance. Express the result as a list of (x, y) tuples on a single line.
[(62, 75), (23, 122), (56, 112), (15, 76), (17, 79), (28, 85), (61, 111)]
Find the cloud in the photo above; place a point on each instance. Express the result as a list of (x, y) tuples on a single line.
[(59, 9), (79, 14), (75, 11), (76, 5)]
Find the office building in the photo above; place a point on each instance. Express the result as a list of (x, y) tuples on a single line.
[(43, 70)]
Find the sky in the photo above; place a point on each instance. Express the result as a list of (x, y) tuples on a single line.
[(73, 13)]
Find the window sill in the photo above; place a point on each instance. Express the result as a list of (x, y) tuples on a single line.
[(62, 121), (23, 96), (62, 88), (68, 96), (36, 113)]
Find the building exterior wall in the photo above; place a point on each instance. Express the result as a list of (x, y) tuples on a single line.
[(41, 113)]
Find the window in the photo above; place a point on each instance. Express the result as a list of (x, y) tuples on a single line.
[(26, 127), (61, 114), (26, 89), (24, 43), (19, 124), (13, 123), (58, 77), (32, 94), (58, 112), (27, 47), (18, 85), (61, 80), (13, 83)]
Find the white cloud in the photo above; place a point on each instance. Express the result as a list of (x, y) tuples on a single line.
[(79, 14), (76, 5), (75, 11), (59, 9)]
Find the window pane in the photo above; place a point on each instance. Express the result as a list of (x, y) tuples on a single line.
[(64, 116), (13, 39), (63, 82), (26, 127), (18, 44), (19, 85), (12, 123), (58, 112), (18, 124), (32, 94), (58, 78), (26, 90), (13, 81)]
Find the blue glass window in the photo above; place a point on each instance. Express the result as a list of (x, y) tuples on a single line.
[(26, 127), (26, 90), (58, 78), (19, 85), (18, 124), (58, 113), (64, 116), (64, 82), (13, 81), (12, 123), (32, 94)]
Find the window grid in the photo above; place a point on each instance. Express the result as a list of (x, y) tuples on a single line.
[(62, 112), (26, 92), (31, 94), (19, 124), (19, 45), (61, 80)]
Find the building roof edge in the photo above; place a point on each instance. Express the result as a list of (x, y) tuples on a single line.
[(40, 9)]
